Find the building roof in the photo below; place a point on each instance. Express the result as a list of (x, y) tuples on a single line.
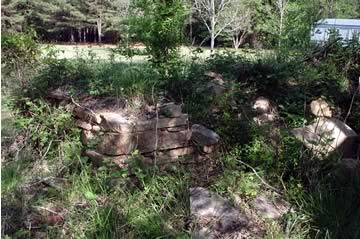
[(339, 22)]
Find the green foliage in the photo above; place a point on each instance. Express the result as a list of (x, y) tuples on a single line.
[(159, 27), (20, 55)]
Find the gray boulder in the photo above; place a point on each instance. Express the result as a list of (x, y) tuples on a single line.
[(206, 205)]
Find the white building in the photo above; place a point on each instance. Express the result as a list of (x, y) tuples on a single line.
[(347, 28)]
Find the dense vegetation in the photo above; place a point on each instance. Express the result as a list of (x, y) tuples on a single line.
[(257, 23), (49, 190)]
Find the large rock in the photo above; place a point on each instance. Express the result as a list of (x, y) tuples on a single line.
[(268, 208), (320, 108), (112, 123), (204, 136), (119, 144), (262, 105), (327, 135), (100, 159), (171, 110), (208, 206)]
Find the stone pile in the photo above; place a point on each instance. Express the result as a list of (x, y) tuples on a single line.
[(109, 132)]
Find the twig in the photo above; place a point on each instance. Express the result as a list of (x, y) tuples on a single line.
[(47, 150), (156, 125), (352, 102), (261, 179), (49, 210), (83, 107)]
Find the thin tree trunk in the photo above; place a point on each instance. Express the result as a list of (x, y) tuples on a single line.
[(71, 35), (212, 44), (191, 29), (98, 24)]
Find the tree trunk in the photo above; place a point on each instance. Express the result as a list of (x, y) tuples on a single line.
[(71, 35), (212, 28), (98, 24), (236, 42), (212, 44), (191, 29), (79, 34)]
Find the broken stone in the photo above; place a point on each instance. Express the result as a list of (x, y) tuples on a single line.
[(326, 135), (86, 115), (59, 94), (265, 118), (175, 153), (118, 144), (115, 125), (217, 78), (96, 128), (83, 125), (100, 159), (262, 105), (87, 137), (320, 108), (216, 89), (268, 209), (204, 136), (170, 110), (206, 205), (348, 168), (115, 122)]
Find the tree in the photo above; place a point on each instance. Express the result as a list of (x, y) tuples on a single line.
[(281, 6), (241, 25), (216, 15), (159, 25)]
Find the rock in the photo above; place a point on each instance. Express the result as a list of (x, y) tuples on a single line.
[(325, 136), (265, 118), (262, 105), (86, 115), (170, 110), (173, 154), (348, 168), (216, 78), (113, 124), (204, 136), (59, 94), (320, 108), (100, 159), (268, 209), (215, 89), (118, 144), (83, 125), (96, 128), (208, 206), (87, 137)]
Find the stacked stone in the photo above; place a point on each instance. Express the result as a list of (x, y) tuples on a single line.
[(111, 135)]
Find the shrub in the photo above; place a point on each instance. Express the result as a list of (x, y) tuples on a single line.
[(20, 54)]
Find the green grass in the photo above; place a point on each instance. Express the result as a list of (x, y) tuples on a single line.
[(104, 52)]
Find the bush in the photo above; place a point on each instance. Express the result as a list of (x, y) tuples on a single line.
[(20, 55)]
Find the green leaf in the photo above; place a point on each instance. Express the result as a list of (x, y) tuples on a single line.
[(90, 195)]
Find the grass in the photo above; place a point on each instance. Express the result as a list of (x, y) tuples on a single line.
[(104, 52), (110, 203)]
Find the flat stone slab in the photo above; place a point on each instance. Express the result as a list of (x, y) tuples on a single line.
[(118, 124), (269, 209), (207, 205), (145, 142), (204, 136), (327, 135)]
